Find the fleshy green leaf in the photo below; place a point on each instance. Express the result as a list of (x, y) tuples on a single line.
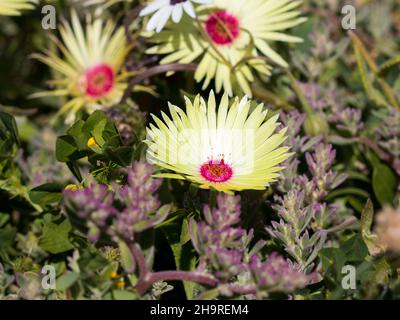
[(66, 281), (46, 194), (55, 238), (127, 260), (384, 184)]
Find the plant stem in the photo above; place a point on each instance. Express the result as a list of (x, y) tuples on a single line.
[(343, 225), (151, 72), (300, 95), (147, 278), (386, 88), (243, 290), (133, 14), (140, 259)]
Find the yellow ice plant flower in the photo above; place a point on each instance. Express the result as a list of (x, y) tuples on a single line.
[(91, 70), (14, 7), (232, 149), (230, 39)]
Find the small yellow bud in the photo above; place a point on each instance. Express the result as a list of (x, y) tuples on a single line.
[(73, 187), (121, 283), (92, 143), (114, 275)]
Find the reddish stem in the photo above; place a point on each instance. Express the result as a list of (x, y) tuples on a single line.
[(147, 278), (151, 72)]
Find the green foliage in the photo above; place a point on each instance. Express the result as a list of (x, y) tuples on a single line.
[(107, 144), (330, 72), (46, 194), (177, 234), (384, 183), (9, 138), (7, 236), (56, 237), (98, 139)]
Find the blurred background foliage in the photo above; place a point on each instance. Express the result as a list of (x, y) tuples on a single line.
[(346, 83)]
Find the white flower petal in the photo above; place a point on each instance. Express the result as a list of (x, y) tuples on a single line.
[(189, 9), (164, 18), (177, 12), (157, 19), (153, 7), (203, 1)]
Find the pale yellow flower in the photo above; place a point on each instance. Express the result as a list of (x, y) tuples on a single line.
[(230, 39), (15, 7), (91, 65), (232, 148)]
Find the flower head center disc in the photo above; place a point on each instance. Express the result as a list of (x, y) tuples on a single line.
[(222, 27), (216, 171), (98, 80)]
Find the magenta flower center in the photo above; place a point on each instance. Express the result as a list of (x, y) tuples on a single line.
[(216, 171), (98, 80), (222, 27)]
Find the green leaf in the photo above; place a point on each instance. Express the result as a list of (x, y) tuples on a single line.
[(55, 238), (46, 194), (346, 192), (124, 295), (80, 137), (366, 79), (367, 216), (382, 271), (127, 260), (388, 65), (372, 158), (108, 270), (91, 260), (101, 129), (97, 132), (66, 149), (355, 249), (4, 218), (172, 218), (8, 126), (355, 203), (74, 168), (8, 136), (332, 261), (66, 281), (383, 183), (122, 156), (7, 236), (94, 120), (178, 236), (210, 294), (107, 147), (371, 240)]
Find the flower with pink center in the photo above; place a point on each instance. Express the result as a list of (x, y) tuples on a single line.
[(98, 81), (216, 171), (222, 27), (230, 41), (163, 10), (224, 146), (91, 64)]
